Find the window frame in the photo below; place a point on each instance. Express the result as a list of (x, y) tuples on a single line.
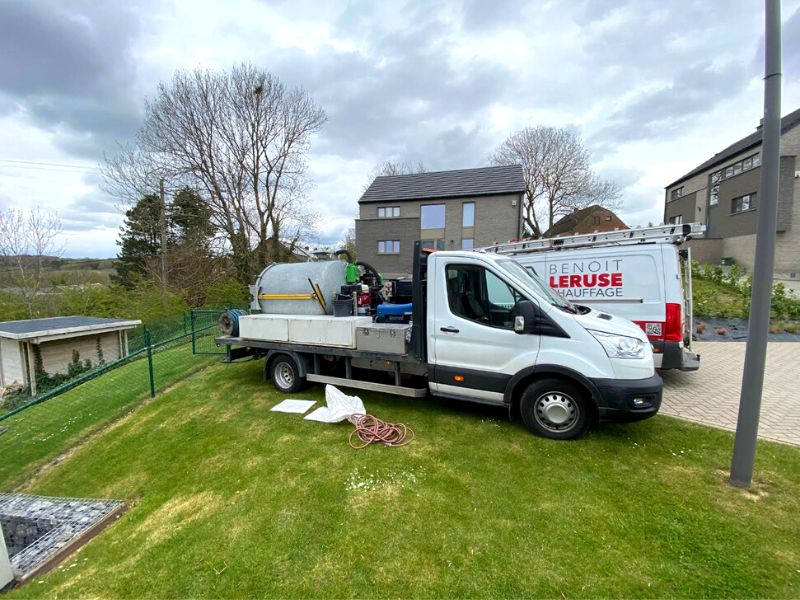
[(388, 212), (464, 205), (486, 301), (676, 193), (739, 202), (395, 247), (422, 208)]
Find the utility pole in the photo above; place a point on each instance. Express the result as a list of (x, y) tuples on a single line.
[(163, 227), (744, 448)]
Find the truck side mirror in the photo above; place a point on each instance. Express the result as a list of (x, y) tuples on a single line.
[(525, 320)]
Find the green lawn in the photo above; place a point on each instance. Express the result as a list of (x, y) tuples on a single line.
[(231, 500), (43, 432)]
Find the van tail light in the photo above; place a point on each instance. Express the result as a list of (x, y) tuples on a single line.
[(673, 331), (668, 331)]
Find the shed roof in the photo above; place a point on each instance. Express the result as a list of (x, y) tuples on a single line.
[(61, 326), (788, 122), (484, 181)]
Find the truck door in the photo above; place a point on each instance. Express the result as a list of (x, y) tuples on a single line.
[(475, 349)]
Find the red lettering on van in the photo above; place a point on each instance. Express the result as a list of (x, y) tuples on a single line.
[(586, 280)]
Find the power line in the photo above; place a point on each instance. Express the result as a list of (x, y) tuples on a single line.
[(44, 166)]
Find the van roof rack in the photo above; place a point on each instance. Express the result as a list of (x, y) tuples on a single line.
[(674, 234)]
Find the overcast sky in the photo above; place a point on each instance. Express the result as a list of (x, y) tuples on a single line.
[(654, 88)]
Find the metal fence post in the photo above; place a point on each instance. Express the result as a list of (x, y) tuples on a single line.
[(194, 348), (150, 362)]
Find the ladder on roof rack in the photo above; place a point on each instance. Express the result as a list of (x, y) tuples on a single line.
[(674, 234)]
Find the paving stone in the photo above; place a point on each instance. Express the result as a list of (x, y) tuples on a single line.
[(711, 395)]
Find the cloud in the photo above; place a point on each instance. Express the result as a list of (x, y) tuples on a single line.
[(69, 69)]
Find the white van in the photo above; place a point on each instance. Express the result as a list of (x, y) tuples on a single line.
[(636, 274)]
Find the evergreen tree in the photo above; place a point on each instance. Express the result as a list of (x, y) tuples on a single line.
[(139, 241)]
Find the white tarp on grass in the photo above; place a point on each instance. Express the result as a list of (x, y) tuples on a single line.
[(340, 407), (293, 406)]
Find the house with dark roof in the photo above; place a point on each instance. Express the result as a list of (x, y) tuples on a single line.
[(591, 219), (446, 210), (36, 348), (723, 193)]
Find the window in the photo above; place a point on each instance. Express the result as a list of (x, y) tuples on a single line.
[(713, 193), (476, 294), (388, 246), (595, 220), (468, 218), (743, 165), (676, 220), (676, 193), (432, 216), (467, 244), (388, 211), (743, 203), (434, 244)]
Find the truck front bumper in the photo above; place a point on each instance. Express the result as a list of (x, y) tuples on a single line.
[(625, 400)]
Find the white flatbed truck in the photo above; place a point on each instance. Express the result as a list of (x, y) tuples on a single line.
[(483, 329)]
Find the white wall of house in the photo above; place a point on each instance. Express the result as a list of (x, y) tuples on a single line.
[(12, 364)]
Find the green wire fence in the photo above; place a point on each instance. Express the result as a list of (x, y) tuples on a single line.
[(41, 427)]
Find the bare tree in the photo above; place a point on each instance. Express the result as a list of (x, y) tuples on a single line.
[(27, 238), (238, 139), (558, 175), (390, 167)]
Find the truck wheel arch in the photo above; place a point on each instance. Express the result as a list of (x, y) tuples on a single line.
[(516, 386), (299, 359)]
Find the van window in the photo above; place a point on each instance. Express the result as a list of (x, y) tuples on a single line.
[(476, 294)]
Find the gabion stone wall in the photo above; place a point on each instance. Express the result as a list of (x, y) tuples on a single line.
[(38, 528)]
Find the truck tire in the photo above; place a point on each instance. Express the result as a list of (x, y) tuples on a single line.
[(556, 409), (285, 374)]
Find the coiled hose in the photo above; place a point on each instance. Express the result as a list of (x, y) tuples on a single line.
[(370, 430)]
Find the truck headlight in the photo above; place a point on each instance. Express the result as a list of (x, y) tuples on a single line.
[(619, 346)]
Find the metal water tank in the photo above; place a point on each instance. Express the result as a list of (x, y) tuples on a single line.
[(289, 288)]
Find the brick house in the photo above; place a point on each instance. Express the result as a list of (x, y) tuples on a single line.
[(447, 210), (592, 219), (723, 193)]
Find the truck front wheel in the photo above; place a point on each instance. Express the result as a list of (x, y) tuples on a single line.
[(556, 409), (285, 374)]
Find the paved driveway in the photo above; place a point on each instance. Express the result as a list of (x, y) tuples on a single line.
[(711, 395)]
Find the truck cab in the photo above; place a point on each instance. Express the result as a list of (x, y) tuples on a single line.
[(498, 334)]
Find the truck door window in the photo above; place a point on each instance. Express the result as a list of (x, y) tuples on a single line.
[(478, 295)]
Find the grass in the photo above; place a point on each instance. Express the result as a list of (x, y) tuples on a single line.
[(41, 433), (231, 500)]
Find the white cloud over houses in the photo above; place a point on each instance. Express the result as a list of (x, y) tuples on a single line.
[(654, 88)]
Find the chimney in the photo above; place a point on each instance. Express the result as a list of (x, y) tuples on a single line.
[(760, 124)]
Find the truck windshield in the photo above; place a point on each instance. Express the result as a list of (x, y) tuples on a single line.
[(539, 286)]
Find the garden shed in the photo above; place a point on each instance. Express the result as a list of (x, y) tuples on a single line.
[(59, 345)]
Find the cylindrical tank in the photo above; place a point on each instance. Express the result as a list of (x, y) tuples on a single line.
[(284, 288)]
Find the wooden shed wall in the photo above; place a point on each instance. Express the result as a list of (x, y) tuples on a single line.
[(13, 364), (57, 354)]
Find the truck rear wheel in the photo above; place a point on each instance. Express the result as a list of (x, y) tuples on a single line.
[(285, 374), (556, 409)]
